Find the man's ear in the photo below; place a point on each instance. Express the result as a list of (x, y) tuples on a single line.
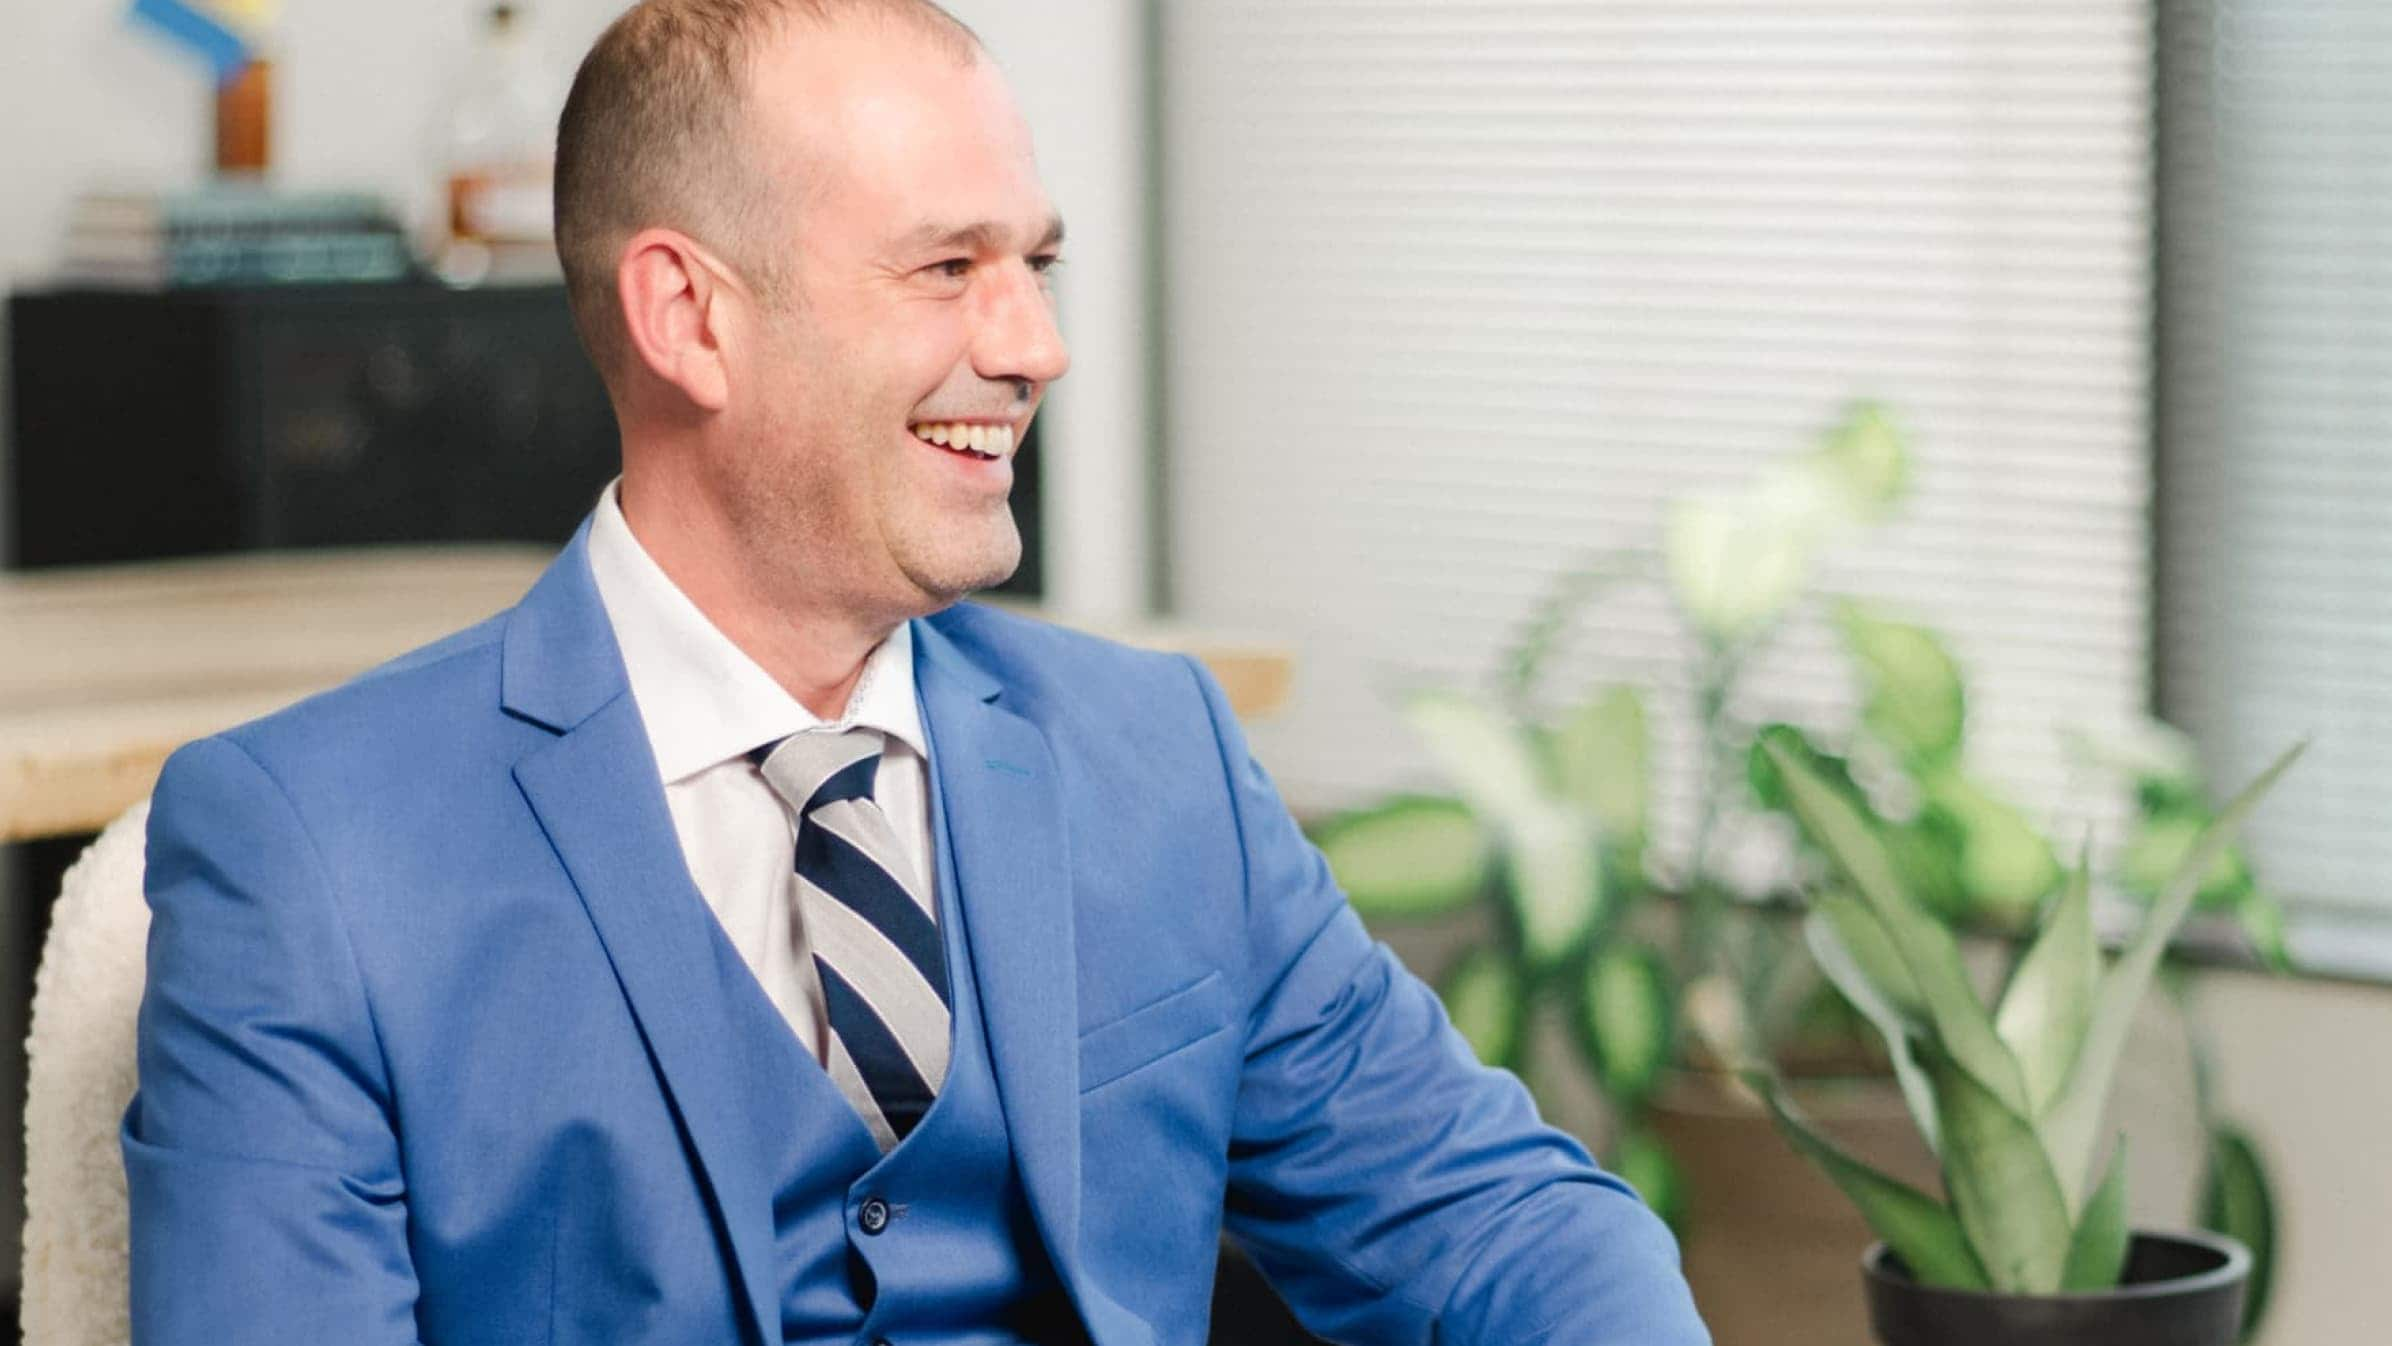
[(675, 313)]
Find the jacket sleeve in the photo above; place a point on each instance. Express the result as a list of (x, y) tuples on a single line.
[(263, 1172), (1393, 1189)]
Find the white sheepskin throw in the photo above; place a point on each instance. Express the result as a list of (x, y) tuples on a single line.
[(79, 1079)]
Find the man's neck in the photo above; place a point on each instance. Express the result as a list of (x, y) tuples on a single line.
[(815, 653)]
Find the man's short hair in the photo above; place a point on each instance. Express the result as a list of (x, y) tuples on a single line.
[(652, 134)]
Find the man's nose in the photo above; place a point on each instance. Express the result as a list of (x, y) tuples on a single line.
[(1018, 338)]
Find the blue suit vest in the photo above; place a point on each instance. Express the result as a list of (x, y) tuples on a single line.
[(932, 1243)]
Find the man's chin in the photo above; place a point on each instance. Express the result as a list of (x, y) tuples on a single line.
[(951, 579)]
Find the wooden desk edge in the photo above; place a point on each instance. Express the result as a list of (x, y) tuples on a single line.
[(44, 794)]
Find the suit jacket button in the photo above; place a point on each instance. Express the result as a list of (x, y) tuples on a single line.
[(874, 1216)]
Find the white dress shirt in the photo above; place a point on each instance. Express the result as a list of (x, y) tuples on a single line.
[(706, 704)]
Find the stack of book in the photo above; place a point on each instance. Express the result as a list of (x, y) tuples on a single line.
[(232, 235)]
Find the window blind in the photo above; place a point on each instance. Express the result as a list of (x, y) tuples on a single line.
[(2276, 419), (1460, 293)]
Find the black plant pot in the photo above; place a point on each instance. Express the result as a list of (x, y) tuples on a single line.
[(2179, 1290)]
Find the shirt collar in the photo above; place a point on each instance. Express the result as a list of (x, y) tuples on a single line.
[(701, 697)]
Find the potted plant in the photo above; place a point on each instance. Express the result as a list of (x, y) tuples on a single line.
[(2031, 1243), (1661, 978), (1635, 957)]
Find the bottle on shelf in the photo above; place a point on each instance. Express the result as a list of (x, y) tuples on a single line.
[(498, 156)]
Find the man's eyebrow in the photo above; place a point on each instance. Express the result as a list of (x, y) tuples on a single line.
[(984, 236)]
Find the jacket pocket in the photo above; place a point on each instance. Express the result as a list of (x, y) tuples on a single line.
[(1153, 1031)]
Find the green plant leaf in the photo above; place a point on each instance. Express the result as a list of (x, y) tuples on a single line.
[(2072, 1124), (1838, 929), (1863, 938), (1556, 882), (1412, 856), (1912, 699), (1481, 750), (1644, 1163), (2049, 1000), (1768, 783), (1926, 855), (1604, 754), (1868, 458), (2002, 1185), (2158, 848), (1927, 948), (1625, 1014), (2097, 1251), (1734, 564), (1920, 1229), (2238, 1201), (2006, 866), (1483, 995), (2263, 923), (1549, 849)]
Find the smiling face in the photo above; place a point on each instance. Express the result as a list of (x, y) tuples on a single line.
[(880, 392)]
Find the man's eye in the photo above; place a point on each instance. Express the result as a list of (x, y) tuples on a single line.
[(954, 268), (1045, 262)]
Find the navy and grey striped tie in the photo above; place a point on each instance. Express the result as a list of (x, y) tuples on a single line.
[(873, 926)]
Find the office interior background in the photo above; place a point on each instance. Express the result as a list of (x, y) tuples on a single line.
[(1385, 314)]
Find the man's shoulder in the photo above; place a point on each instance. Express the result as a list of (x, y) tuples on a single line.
[(405, 702)]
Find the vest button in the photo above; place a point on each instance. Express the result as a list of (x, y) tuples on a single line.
[(874, 1216)]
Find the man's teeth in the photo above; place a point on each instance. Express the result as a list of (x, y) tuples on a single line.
[(988, 441)]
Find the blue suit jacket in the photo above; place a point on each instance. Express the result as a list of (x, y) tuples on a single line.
[(432, 1047)]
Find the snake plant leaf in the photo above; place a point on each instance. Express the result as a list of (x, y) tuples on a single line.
[(2072, 1124), (2003, 1189), (2158, 849), (2263, 924), (1864, 940), (1482, 995), (1626, 1020), (1549, 849), (1768, 785), (2236, 1200), (2097, 1251), (2049, 1000), (1920, 1229), (1912, 699), (1926, 945), (1603, 755), (1838, 929), (1413, 856)]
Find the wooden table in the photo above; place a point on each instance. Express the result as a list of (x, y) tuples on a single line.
[(105, 671)]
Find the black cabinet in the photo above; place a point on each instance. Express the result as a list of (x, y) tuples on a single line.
[(183, 422)]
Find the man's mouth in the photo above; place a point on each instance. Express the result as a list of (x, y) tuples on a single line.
[(974, 439)]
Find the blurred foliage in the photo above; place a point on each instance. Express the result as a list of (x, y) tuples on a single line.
[(1651, 961)]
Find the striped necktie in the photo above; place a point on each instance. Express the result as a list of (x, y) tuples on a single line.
[(873, 926)]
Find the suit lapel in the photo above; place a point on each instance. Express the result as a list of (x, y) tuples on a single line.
[(996, 793), (595, 791)]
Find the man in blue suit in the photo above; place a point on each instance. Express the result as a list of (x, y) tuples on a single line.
[(739, 939)]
